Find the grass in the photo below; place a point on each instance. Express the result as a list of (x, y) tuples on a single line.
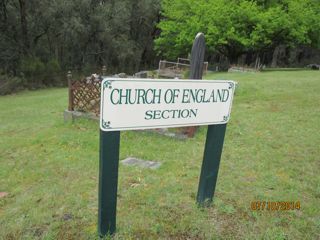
[(271, 153)]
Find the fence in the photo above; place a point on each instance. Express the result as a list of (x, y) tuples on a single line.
[(184, 60), (242, 69), (84, 94), (176, 69)]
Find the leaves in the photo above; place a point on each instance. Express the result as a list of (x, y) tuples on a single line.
[(233, 27), (79, 34)]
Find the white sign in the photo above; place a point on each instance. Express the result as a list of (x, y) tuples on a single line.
[(130, 103)]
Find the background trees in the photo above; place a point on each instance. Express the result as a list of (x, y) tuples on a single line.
[(38, 38), (236, 27)]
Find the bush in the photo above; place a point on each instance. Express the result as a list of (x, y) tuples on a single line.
[(10, 84), (32, 74), (51, 77), (53, 66), (40, 74), (32, 67)]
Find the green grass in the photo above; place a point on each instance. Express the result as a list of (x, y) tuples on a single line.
[(271, 153)]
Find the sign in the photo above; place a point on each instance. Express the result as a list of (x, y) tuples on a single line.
[(129, 104)]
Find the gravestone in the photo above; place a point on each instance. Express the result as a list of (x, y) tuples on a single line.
[(197, 57), (130, 161), (196, 68), (142, 74)]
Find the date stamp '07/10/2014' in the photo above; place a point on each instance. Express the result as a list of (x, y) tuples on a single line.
[(275, 206)]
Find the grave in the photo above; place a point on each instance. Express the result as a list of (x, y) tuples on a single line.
[(131, 161)]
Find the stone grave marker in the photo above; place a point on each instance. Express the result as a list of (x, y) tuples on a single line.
[(131, 161)]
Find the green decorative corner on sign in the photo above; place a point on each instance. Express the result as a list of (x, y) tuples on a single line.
[(107, 84), (231, 84), (225, 118), (106, 125)]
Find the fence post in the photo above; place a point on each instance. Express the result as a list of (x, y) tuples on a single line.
[(69, 76), (205, 67), (104, 70)]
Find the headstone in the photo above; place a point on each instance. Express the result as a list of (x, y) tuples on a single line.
[(141, 163), (196, 68), (142, 74), (122, 75), (314, 66), (197, 57)]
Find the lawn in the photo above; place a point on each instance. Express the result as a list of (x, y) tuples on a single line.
[(49, 168)]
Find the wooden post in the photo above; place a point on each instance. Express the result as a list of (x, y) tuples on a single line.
[(104, 70), (215, 133), (205, 68), (210, 164), (159, 67), (108, 182), (70, 89), (196, 67)]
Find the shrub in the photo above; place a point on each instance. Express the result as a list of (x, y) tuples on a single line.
[(52, 76), (53, 66), (32, 67), (10, 84)]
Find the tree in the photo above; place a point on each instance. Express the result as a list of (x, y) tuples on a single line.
[(237, 26), (24, 26), (79, 34)]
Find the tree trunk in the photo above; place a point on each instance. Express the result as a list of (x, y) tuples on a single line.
[(3, 16), (24, 26), (275, 57)]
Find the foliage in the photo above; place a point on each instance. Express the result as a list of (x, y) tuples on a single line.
[(271, 152), (73, 34), (237, 26), (52, 74), (39, 73), (10, 84), (53, 66), (32, 66)]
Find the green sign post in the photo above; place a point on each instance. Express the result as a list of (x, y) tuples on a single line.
[(108, 176), (108, 181), (128, 104), (211, 162)]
